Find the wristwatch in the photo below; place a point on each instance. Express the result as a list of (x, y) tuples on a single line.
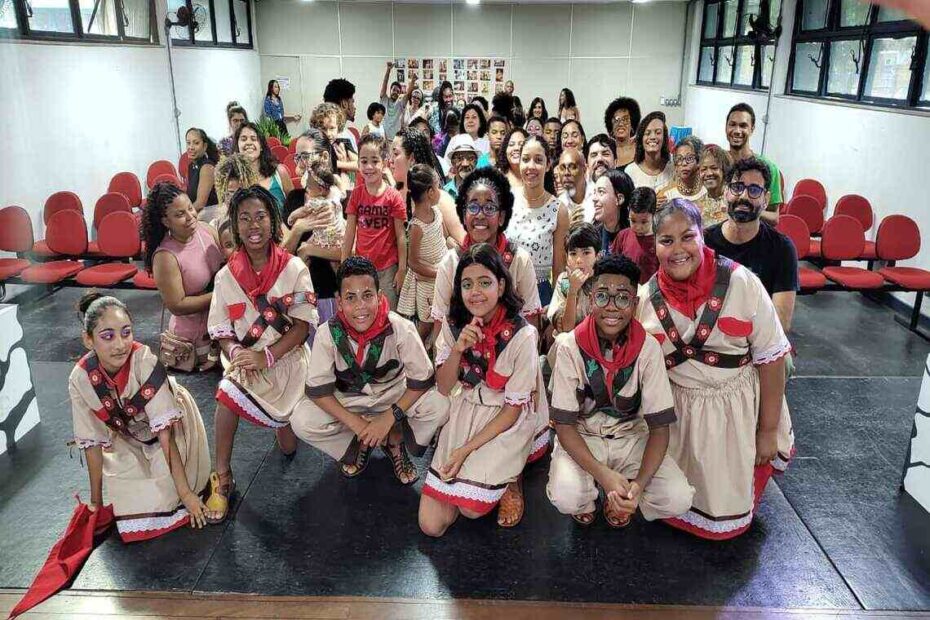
[(399, 414)]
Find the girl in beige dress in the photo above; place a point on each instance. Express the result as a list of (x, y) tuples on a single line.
[(262, 309), (371, 382), (725, 353), (487, 362), (141, 432)]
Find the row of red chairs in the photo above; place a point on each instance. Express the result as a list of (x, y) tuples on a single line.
[(810, 209), (897, 239)]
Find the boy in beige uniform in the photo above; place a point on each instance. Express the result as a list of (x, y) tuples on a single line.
[(370, 381), (612, 411)]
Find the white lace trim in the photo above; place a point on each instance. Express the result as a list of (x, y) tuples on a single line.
[(443, 355), (222, 330), (542, 441), (465, 490), (83, 444), (164, 421), (149, 524), (771, 354), (715, 527), (248, 407), (517, 398)]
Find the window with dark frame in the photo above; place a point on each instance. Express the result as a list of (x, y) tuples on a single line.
[(219, 23), (103, 21), (215, 23), (729, 55), (850, 51)]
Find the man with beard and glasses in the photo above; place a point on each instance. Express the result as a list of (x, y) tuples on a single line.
[(577, 192), (601, 154), (743, 237)]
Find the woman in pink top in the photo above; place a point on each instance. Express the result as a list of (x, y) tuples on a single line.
[(183, 255)]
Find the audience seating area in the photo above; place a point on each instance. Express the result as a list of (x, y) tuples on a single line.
[(826, 243)]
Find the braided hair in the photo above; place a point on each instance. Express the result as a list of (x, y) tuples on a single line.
[(236, 167), (256, 192), (152, 229), (417, 148)]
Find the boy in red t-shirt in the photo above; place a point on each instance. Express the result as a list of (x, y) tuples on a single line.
[(638, 242), (376, 215)]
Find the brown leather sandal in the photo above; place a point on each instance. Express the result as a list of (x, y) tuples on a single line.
[(361, 463), (511, 507), (401, 462)]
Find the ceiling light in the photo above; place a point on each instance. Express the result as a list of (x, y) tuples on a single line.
[(472, 1)]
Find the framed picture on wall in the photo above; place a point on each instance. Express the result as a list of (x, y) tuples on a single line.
[(442, 65), (485, 63), (442, 77), (486, 75), (427, 74), (413, 63), (458, 64), (473, 87), (498, 75), (428, 85), (427, 63), (499, 63), (458, 86), (472, 63)]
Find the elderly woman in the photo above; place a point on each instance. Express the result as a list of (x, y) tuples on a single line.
[(687, 182), (714, 166), (725, 352)]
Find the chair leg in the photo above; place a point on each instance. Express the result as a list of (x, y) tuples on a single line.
[(912, 323)]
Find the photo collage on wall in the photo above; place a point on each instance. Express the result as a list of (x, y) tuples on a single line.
[(469, 77)]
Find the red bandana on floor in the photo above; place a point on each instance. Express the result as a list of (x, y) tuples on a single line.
[(67, 556), (623, 354), (363, 338), (686, 296), (258, 284), (486, 348)]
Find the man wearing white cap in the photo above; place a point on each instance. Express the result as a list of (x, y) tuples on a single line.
[(463, 157)]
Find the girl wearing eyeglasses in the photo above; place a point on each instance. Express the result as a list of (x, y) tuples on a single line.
[(725, 352), (488, 350)]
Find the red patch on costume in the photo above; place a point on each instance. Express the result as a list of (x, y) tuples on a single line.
[(734, 327), (235, 311), (659, 337)]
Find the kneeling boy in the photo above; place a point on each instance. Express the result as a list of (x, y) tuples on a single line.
[(370, 382), (612, 404)]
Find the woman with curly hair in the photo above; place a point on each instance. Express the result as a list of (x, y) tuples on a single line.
[(263, 306), (411, 147), (538, 110), (232, 173), (508, 156), (183, 254), (273, 176)]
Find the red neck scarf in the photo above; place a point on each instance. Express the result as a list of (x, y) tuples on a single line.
[(363, 338), (500, 245), (257, 284), (623, 352), (121, 378), (686, 296), (486, 348)]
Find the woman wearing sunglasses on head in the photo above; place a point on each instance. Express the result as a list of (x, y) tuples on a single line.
[(725, 352)]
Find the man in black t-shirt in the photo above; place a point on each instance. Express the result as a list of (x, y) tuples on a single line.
[(755, 244)]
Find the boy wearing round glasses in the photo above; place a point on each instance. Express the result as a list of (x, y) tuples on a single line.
[(745, 238), (612, 406)]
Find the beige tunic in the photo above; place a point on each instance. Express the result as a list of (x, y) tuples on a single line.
[(714, 441), (484, 476), (619, 442), (136, 475), (270, 399), (401, 364), (521, 270)]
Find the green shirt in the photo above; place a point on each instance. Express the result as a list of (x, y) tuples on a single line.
[(775, 197)]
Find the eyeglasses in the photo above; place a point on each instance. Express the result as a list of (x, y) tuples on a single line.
[(489, 210), (621, 121), (738, 187), (622, 301), (308, 157), (687, 160)]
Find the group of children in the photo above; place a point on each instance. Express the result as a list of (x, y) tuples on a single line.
[(369, 382)]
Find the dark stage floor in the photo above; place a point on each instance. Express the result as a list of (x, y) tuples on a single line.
[(832, 533)]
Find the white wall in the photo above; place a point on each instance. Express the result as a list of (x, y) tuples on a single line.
[(76, 114), (875, 152), (600, 51)]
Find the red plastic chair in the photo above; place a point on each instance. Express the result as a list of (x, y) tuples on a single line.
[(795, 229), (183, 162), (66, 235), (127, 184), (15, 236), (291, 164), (814, 188), (280, 153), (843, 239), (59, 201), (272, 142), (297, 182), (111, 202), (806, 208), (292, 147), (168, 178), (858, 207), (157, 169), (118, 238), (144, 280), (898, 238)]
